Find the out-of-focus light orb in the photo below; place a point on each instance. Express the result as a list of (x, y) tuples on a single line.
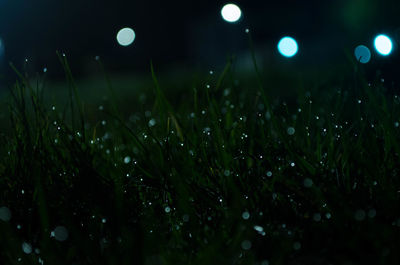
[(231, 13), (288, 47), (383, 44), (1, 47), (362, 53), (126, 36)]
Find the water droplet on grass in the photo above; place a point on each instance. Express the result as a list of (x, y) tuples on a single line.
[(5, 214), (258, 228), (246, 244), (359, 215), (245, 215), (317, 217), (167, 209), (290, 130), (296, 245), (127, 159), (60, 233), (152, 122), (372, 213), (328, 216), (308, 183), (26, 248)]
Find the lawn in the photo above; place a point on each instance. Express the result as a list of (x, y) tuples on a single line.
[(211, 168)]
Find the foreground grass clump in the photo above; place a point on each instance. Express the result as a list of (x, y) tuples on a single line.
[(227, 176)]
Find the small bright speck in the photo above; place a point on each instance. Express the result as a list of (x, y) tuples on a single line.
[(27, 248), (104, 220), (246, 244), (245, 215), (126, 36), (290, 131), (5, 214), (231, 13), (287, 46), (60, 233), (167, 209), (362, 54), (383, 44), (127, 159)]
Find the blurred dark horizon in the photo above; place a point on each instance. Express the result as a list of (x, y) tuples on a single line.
[(179, 35)]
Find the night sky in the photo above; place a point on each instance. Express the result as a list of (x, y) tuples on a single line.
[(184, 33)]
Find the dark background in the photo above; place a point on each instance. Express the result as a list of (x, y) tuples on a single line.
[(186, 34)]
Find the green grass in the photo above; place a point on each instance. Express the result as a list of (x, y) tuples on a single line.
[(207, 171)]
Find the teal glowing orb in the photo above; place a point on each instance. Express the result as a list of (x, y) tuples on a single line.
[(231, 13), (383, 45), (287, 46), (362, 54), (126, 36)]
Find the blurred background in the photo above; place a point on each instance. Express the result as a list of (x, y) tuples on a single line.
[(189, 35)]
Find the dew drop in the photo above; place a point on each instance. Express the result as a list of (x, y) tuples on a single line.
[(127, 159), (5, 214), (359, 215), (246, 244), (296, 245), (308, 183), (290, 130), (27, 248), (245, 215), (60, 233)]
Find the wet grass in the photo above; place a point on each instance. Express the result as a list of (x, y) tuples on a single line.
[(223, 172)]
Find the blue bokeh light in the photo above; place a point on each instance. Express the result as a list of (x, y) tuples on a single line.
[(1, 47), (362, 54), (288, 47), (383, 44)]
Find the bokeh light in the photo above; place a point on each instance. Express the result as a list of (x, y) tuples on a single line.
[(1, 47), (383, 44), (287, 46), (126, 36), (231, 13), (362, 54)]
